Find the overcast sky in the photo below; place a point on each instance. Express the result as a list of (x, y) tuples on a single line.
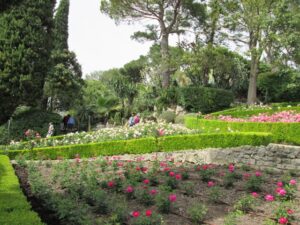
[(97, 41)]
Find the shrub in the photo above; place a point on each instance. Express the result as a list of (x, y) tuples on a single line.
[(245, 204), (168, 116), (197, 212), (281, 132), (33, 119), (254, 183), (214, 194), (14, 208), (179, 119), (204, 99)]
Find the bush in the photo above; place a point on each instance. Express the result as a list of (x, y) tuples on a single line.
[(179, 119), (279, 86), (168, 116), (14, 208), (205, 100), (197, 212), (281, 132), (32, 119)]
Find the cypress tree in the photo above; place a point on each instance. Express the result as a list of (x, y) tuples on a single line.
[(61, 28), (25, 49)]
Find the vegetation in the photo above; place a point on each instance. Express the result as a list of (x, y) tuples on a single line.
[(14, 207)]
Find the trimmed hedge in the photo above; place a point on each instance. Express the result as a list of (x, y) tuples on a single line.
[(142, 145), (241, 112), (219, 140), (146, 145), (14, 208), (282, 132)]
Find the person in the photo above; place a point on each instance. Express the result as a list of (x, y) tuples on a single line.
[(50, 130), (65, 121), (131, 121), (71, 123), (137, 119)]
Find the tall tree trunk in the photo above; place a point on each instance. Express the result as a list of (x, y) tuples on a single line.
[(165, 60), (251, 98)]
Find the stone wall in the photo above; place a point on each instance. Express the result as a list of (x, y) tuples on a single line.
[(274, 156)]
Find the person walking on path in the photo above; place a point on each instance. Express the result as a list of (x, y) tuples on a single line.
[(50, 130), (71, 123)]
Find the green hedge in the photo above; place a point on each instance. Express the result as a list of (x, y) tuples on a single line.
[(205, 100), (242, 112), (146, 145), (219, 140), (282, 132), (142, 145), (14, 208)]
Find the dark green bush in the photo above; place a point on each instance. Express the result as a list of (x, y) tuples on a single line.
[(205, 100), (281, 132), (32, 119), (14, 208), (279, 86)]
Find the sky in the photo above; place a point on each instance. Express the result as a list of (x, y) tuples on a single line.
[(98, 43)]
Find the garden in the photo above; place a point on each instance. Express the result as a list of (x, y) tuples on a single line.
[(109, 190)]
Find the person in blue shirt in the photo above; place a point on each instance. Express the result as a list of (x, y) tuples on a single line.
[(71, 123)]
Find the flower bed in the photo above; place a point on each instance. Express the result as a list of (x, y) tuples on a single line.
[(140, 130), (14, 208), (111, 191), (146, 145)]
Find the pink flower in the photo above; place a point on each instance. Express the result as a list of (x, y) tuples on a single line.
[(283, 220), (129, 189), (146, 181), (167, 169), (281, 191), (153, 192), (144, 169), (161, 132), (231, 167), (279, 184), (138, 168), (210, 184), (135, 213), (269, 198), (293, 182), (177, 176), (171, 174), (110, 184), (148, 212), (172, 197), (119, 164), (205, 167), (290, 211), (258, 173), (254, 194)]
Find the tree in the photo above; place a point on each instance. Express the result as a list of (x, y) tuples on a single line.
[(64, 81), (25, 46), (169, 16), (251, 21)]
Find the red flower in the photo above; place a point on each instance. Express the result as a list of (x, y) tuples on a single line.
[(171, 174), (178, 176), (110, 184), (129, 189), (172, 197), (148, 212), (283, 220), (146, 181), (153, 192), (144, 169), (290, 211), (135, 213)]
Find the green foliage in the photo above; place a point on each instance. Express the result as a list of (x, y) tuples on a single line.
[(205, 100), (33, 119), (25, 45), (216, 140), (245, 204), (254, 183), (214, 194), (14, 208), (168, 116), (280, 86), (281, 132), (162, 202), (197, 212), (142, 195)]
